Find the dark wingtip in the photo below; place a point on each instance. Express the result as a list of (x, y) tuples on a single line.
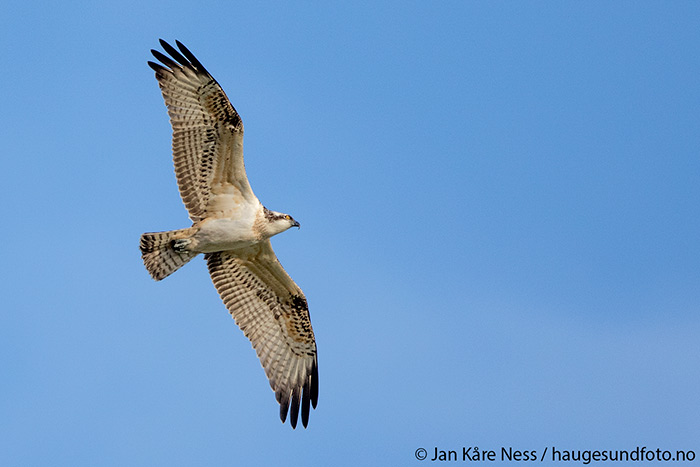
[(284, 407), (294, 410), (158, 68), (310, 396), (176, 55), (165, 60), (314, 384), (190, 56), (305, 406)]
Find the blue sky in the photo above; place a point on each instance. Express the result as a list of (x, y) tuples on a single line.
[(499, 243)]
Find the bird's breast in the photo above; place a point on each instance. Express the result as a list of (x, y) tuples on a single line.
[(225, 234)]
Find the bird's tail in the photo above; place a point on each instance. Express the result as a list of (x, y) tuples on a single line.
[(164, 253)]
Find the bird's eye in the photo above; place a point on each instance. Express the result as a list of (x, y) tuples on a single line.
[(288, 217)]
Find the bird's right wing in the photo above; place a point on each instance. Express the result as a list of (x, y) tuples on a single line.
[(272, 312), (207, 135)]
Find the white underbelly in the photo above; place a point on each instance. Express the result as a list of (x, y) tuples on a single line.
[(224, 234)]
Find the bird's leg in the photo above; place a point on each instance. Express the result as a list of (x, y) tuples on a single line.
[(180, 245)]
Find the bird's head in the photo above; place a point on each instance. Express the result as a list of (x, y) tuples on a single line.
[(278, 222)]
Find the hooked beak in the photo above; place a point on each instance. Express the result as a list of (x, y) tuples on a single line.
[(296, 224)]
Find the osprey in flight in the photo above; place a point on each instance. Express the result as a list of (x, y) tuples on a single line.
[(232, 229)]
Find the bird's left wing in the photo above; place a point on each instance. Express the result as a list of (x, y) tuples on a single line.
[(272, 312), (207, 134)]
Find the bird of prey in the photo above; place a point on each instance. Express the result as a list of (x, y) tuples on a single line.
[(232, 229)]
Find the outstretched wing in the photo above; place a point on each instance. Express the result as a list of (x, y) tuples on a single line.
[(207, 135), (272, 312)]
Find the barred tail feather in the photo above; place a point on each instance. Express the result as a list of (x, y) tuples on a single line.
[(158, 254)]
